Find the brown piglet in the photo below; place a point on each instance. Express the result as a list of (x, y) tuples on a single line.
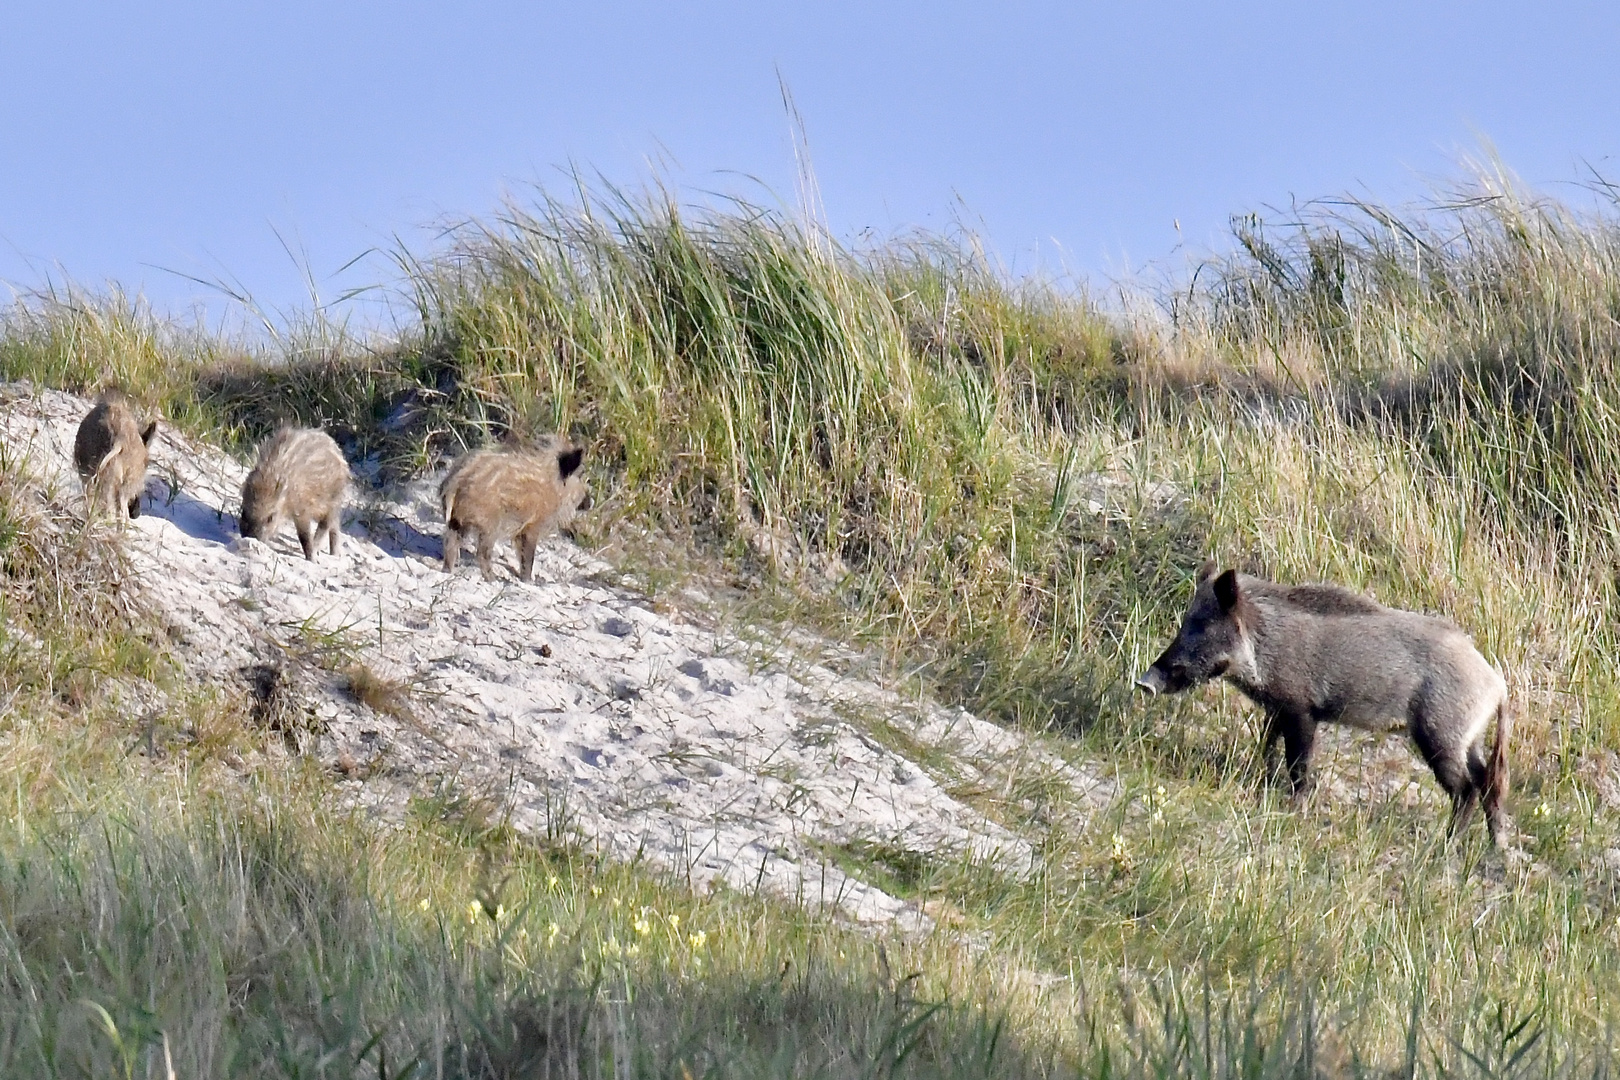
[(301, 477), (110, 453), (519, 495)]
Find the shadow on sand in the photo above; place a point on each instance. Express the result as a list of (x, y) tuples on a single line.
[(397, 537), (199, 520), (192, 516)]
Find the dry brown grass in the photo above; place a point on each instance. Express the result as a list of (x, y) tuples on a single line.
[(390, 697)]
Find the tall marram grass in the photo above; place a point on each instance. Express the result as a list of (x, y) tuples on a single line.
[(1484, 336), (1001, 489), (888, 426), (1016, 482)]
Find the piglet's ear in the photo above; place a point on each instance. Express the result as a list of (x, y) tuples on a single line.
[(568, 461), (1205, 572), (1226, 590)]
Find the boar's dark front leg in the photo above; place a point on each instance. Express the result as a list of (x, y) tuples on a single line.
[(1299, 738), (1275, 723), (1298, 735), (1268, 740)]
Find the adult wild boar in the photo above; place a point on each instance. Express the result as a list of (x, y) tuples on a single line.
[(1309, 654), (110, 453), (300, 477), (510, 494)]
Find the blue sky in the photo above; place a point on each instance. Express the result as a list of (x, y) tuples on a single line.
[(187, 135)]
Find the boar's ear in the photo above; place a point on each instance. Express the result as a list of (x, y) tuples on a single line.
[(1205, 572), (568, 461), (1226, 590), (151, 430)]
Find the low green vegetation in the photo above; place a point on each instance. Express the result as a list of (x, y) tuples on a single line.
[(998, 490)]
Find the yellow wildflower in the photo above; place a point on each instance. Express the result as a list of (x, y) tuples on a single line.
[(1121, 855)]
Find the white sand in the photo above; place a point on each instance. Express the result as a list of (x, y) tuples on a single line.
[(641, 732)]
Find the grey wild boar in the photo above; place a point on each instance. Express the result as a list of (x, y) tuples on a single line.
[(110, 452), (301, 477), (1309, 654), (518, 495)]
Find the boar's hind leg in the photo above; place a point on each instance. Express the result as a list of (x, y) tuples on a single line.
[(1473, 785), (331, 527), (1460, 770)]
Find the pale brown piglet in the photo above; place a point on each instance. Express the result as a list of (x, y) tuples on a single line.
[(301, 477), (110, 453), (519, 495)]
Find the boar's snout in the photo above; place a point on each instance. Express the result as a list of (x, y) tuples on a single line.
[(1152, 680)]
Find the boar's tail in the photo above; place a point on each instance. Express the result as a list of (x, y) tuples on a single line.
[(1496, 772)]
